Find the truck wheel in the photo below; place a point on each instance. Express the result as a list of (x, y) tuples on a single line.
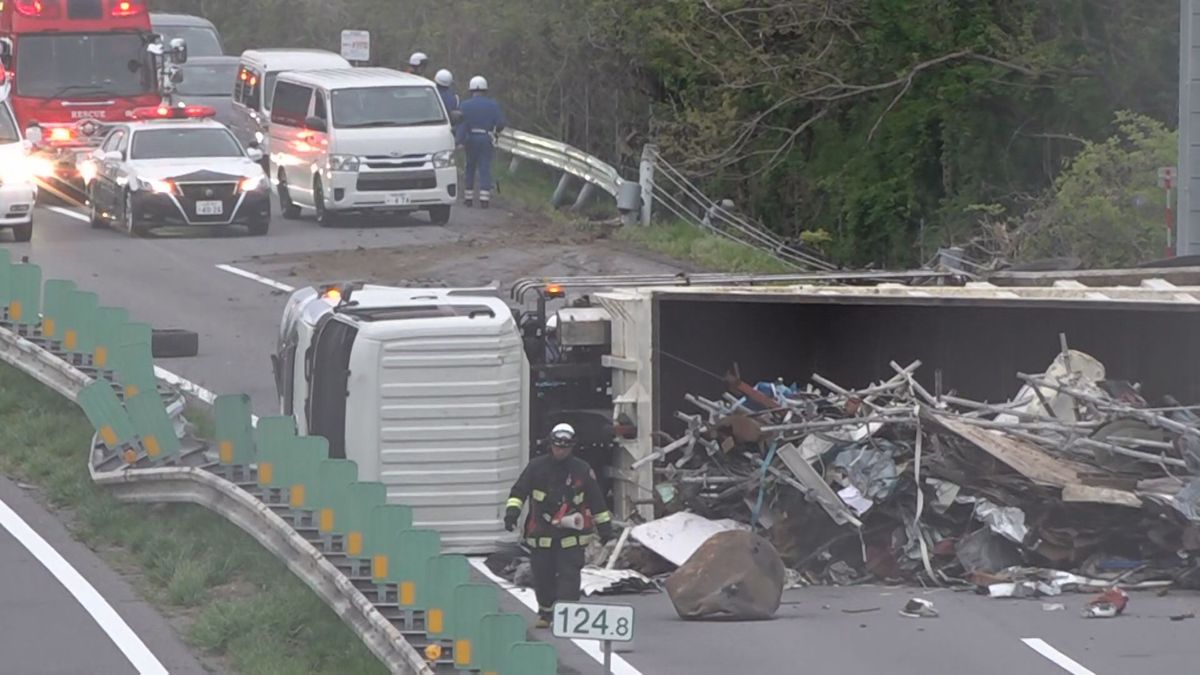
[(439, 215), (171, 343), (22, 233), (290, 210)]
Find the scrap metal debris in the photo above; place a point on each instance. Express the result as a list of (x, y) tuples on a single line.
[(919, 608), (1078, 483), (1107, 605)]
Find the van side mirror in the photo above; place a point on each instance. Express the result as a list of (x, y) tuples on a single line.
[(114, 156), (314, 123), (176, 76), (179, 51)]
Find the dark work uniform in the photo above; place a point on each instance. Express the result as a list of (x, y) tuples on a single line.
[(556, 489)]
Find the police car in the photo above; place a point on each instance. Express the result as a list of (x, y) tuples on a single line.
[(175, 165)]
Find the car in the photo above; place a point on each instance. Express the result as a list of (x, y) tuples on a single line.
[(175, 165), (201, 35), (361, 140), (18, 189), (209, 80)]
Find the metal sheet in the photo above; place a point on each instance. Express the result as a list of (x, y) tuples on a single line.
[(679, 535)]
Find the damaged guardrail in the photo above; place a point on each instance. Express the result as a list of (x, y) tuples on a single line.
[(415, 608)]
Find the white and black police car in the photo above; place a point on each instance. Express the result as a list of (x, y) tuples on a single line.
[(175, 165)]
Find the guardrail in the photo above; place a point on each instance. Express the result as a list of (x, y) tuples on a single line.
[(412, 606)]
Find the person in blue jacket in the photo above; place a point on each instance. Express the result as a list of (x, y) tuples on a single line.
[(482, 118), (445, 86)]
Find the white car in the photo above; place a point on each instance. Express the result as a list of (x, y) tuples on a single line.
[(176, 166), (18, 189)]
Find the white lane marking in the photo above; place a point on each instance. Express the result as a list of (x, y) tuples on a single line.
[(191, 388), (1058, 658), (104, 615), (69, 213), (526, 597), (256, 277)]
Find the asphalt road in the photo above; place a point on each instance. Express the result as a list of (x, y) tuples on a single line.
[(175, 281)]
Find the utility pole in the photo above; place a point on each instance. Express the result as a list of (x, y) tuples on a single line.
[(1187, 229)]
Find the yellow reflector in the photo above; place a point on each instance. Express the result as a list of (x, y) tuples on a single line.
[(408, 593), (108, 435), (15, 310), (433, 652), (48, 327), (296, 499), (265, 472), (326, 523), (354, 543), (226, 450), (70, 340), (151, 445), (379, 567), (101, 356), (437, 621), (462, 652), (131, 390)]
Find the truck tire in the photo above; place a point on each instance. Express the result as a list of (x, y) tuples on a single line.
[(23, 233), (174, 343)]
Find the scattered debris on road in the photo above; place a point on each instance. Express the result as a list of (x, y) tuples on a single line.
[(1107, 605), (919, 608), (735, 575)]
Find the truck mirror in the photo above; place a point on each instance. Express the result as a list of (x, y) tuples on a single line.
[(179, 51), (315, 124), (176, 76)]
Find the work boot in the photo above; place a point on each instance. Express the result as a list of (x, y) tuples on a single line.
[(543, 621), (468, 198), (485, 199)]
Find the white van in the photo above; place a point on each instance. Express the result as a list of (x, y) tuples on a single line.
[(361, 140), (254, 87), (18, 191)]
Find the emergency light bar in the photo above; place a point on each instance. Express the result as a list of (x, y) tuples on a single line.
[(53, 9), (164, 112)]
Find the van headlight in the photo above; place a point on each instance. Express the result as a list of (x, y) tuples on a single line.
[(343, 163), (443, 159)]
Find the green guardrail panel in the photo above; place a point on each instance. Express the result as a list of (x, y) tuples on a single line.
[(25, 303), (5, 277), (530, 658), (110, 323), (153, 424), (56, 295), (497, 634), (79, 330), (334, 477), (471, 603), (108, 417), (444, 573), (137, 332), (411, 552), (302, 463), (355, 521), (235, 429), (387, 522), (134, 368), (269, 438)]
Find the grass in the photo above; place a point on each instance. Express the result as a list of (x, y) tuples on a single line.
[(235, 601)]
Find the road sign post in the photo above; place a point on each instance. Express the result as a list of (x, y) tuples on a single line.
[(594, 621), (1167, 178), (356, 46)]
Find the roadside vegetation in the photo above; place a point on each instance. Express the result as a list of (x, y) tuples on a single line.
[(228, 596)]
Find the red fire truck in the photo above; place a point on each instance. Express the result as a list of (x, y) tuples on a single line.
[(77, 66)]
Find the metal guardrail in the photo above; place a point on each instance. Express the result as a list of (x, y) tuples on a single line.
[(565, 158)]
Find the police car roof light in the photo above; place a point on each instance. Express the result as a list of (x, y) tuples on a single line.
[(124, 8), (164, 112)]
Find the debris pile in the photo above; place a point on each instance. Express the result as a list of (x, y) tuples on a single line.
[(1077, 483)]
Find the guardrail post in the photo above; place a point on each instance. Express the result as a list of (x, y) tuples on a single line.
[(514, 164), (585, 195), (560, 192), (629, 202), (646, 180)]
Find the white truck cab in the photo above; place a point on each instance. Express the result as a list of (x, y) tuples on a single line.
[(425, 390), (18, 189)]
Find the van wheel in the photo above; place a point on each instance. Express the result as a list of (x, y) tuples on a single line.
[(439, 215), (325, 217), (23, 233), (95, 217), (290, 210)]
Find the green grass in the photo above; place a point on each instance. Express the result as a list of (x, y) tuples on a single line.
[(684, 241), (239, 604), (532, 185)]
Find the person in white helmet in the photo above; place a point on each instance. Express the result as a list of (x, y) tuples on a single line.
[(481, 119), (445, 86), (417, 63), (566, 504)]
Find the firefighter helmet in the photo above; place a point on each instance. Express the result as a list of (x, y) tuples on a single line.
[(444, 78), (417, 59), (479, 83), (563, 434)]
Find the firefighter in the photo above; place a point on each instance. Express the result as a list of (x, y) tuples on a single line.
[(417, 63), (481, 120), (565, 504)]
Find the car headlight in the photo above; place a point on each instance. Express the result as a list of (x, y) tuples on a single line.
[(443, 159), (162, 187), (252, 183), (343, 163)]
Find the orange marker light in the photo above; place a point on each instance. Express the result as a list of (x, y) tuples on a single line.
[(554, 291)]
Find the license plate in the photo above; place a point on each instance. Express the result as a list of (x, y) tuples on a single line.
[(213, 208), (396, 200)]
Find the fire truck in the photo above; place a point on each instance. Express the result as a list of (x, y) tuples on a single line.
[(78, 66)]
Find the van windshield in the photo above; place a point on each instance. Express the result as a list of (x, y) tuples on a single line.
[(367, 107)]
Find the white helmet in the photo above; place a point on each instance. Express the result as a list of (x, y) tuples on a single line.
[(479, 83), (417, 59), (563, 434), (444, 78)]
